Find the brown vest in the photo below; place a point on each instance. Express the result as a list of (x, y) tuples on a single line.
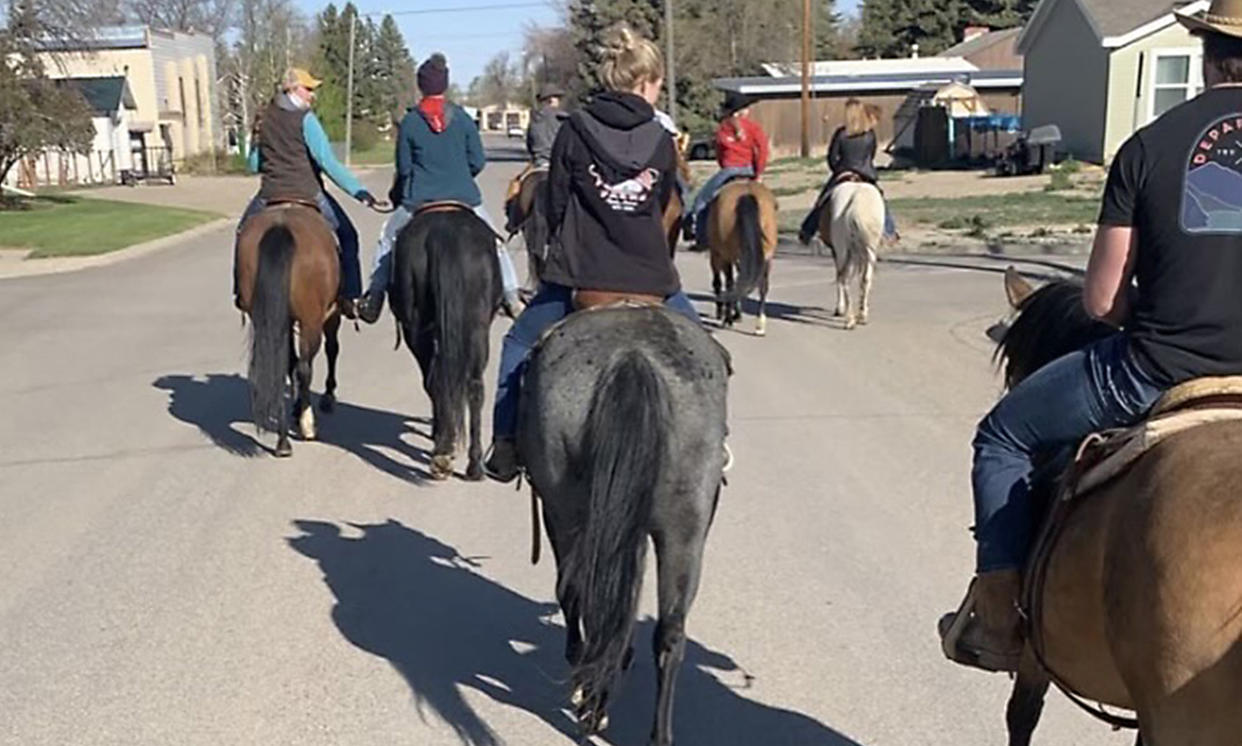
[(284, 162)]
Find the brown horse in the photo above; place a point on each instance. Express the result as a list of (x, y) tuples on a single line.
[(288, 274), (742, 234), (1141, 601), (526, 213)]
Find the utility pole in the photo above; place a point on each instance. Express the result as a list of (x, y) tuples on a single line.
[(670, 60), (349, 91), (806, 78)]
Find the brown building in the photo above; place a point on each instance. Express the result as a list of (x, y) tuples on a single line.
[(888, 84), (987, 49)]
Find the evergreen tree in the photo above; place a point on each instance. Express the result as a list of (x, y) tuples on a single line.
[(590, 20), (999, 14), (395, 74), (892, 28)]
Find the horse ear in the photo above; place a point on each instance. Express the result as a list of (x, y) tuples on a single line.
[(1017, 288)]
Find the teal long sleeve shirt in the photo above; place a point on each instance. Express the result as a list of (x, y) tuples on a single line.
[(321, 154)]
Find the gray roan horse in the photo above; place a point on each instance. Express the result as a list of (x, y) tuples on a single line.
[(622, 428), (445, 293)]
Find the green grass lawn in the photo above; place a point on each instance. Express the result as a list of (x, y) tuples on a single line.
[(1031, 208), (380, 154), (77, 226)]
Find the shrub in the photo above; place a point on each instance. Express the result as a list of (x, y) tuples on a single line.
[(1059, 181)]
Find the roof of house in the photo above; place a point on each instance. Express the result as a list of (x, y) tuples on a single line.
[(104, 95), (897, 66), (982, 42), (1116, 23), (871, 82)]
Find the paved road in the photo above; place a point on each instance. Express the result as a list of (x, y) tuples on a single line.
[(162, 581)]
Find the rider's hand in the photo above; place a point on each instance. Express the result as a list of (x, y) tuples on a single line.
[(367, 199)]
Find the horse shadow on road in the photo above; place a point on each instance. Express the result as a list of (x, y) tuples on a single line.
[(219, 406), (428, 610), (809, 315)]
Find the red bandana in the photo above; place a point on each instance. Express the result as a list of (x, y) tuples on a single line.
[(432, 109)]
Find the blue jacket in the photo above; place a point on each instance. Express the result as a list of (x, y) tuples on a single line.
[(432, 167), (320, 151)]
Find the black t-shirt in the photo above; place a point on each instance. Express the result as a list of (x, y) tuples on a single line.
[(1178, 183)]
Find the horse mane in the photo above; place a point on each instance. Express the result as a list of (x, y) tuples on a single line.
[(1050, 324)]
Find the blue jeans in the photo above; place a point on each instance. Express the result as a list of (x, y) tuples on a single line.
[(707, 193), (551, 304), (381, 266), (346, 238), (1096, 388)]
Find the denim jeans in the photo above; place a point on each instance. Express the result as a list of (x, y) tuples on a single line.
[(1096, 388), (346, 238), (551, 304), (381, 266), (707, 193)]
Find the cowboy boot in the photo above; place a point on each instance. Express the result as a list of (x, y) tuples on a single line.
[(986, 632), (502, 463)]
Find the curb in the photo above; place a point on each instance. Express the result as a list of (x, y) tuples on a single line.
[(60, 265)]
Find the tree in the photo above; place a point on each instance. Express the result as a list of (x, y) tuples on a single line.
[(893, 28), (590, 21), (36, 113), (213, 17), (999, 14), (394, 70), (500, 83), (270, 36)]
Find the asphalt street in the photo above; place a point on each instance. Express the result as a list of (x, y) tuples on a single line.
[(165, 581)]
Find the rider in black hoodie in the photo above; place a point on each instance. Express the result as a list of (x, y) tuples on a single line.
[(612, 173)]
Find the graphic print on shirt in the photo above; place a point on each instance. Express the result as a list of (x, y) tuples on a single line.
[(629, 195), (1212, 202)]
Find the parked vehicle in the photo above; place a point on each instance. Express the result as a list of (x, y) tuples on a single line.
[(517, 132), (702, 148)]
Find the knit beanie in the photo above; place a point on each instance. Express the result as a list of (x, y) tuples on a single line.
[(433, 75)]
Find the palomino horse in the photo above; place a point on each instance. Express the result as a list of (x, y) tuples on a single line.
[(742, 233), (445, 292), (853, 226), (528, 213), (288, 273), (1141, 601), (622, 432)]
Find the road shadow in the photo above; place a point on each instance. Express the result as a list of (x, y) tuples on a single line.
[(427, 609), (1047, 269), (808, 315), (219, 406)]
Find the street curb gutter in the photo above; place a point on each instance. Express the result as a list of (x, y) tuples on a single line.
[(10, 269)]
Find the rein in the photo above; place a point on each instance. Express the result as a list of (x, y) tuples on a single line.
[(1037, 573)]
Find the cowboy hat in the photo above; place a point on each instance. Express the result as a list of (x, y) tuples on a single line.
[(550, 90), (1224, 17), (734, 102)]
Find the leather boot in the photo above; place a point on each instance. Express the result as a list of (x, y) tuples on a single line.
[(986, 632)]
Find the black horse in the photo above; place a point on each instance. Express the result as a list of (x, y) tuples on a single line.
[(622, 428), (445, 293)]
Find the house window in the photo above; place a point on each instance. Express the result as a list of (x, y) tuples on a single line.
[(1178, 78)]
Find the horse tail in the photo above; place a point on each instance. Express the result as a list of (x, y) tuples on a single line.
[(864, 224), (750, 235), (270, 331), (624, 447), (450, 297)]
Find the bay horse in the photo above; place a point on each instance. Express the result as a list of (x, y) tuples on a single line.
[(622, 431), (445, 293), (1141, 602), (742, 235), (852, 226), (675, 211), (288, 275), (527, 213)]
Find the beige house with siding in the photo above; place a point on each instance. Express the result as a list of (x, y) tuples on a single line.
[(172, 77), (1103, 69)]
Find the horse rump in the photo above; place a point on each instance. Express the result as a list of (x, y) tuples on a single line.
[(751, 259), (623, 451), (270, 330)]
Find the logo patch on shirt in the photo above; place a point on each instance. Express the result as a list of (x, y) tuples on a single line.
[(1212, 200), (629, 195)]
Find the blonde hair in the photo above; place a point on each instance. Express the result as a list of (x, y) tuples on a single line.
[(857, 119), (629, 60)]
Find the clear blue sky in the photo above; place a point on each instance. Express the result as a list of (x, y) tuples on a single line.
[(469, 38)]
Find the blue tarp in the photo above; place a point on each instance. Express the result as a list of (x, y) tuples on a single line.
[(1011, 123)]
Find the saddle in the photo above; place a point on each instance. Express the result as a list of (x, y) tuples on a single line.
[(586, 300), (443, 205), (1101, 458), (286, 202)]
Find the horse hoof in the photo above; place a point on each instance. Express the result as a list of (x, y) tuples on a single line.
[(862, 320), (761, 327), (851, 324), (327, 403), (306, 424), (578, 697), (283, 449), (441, 467), (474, 472)]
